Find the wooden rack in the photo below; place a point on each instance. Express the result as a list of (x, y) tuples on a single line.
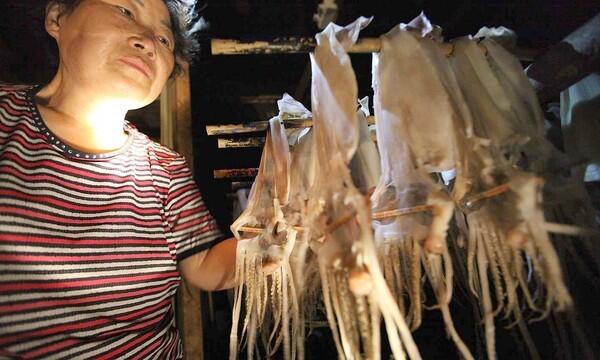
[(288, 45), (249, 142)]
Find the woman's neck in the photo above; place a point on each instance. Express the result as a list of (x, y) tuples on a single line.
[(82, 119)]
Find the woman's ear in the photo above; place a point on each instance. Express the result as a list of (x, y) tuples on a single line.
[(54, 11)]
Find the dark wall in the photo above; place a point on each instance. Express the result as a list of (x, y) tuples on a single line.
[(22, 36)]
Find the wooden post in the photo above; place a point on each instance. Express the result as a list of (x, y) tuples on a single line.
[(190, 316), (176, 133)]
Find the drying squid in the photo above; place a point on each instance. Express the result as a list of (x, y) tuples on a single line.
[(415, 238), (507, 240), (428, 97), (266, 287), (364, 166), (505, 230), (490, 105), (502, 101), (338, 220), (313, 209), (302, 260), (565, 198), (507, 112)]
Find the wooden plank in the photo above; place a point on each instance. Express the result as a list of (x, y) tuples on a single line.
[(291, 45), (255, 126), (234, 143), (235, 173), (259, 126), (249, 127), (284, 45), (190, 314), (246, 142)]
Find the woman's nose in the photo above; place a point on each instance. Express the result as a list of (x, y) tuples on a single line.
[(144, 44)]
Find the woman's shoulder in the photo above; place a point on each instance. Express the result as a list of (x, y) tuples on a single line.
[(160, 153), (166, 156), (14, 101), (9, 89)]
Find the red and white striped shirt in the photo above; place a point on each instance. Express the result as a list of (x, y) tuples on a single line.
[(89, 243)]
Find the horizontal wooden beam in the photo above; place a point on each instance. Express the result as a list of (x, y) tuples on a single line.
[(289, 45), (260, 126), (227, 129), (235, 173), (234, 143), (301, 45), (254, 126), (293, 45), (297, 45)]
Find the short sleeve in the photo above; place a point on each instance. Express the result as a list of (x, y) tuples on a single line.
[(191, 227)]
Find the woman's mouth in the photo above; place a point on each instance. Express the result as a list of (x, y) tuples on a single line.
[(139, 65)]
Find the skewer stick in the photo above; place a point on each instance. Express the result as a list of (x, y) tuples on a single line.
[(339, 222), (400, 212), (557, 228), (570, 230), (259, 230), (495, 191)]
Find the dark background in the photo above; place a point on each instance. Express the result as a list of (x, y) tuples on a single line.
[(220, 83)]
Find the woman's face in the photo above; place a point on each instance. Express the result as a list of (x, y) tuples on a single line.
[(118, 49)]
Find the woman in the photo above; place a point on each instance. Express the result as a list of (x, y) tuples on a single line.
[(97, 222)]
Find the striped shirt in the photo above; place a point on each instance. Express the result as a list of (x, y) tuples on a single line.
[(89, 243)]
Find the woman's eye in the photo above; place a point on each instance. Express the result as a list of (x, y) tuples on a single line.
[(165, 41), (126, 12)]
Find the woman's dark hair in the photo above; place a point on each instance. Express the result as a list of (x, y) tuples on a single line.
[(184, 22)]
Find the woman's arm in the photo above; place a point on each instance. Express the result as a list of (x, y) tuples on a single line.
[(212, 269)]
